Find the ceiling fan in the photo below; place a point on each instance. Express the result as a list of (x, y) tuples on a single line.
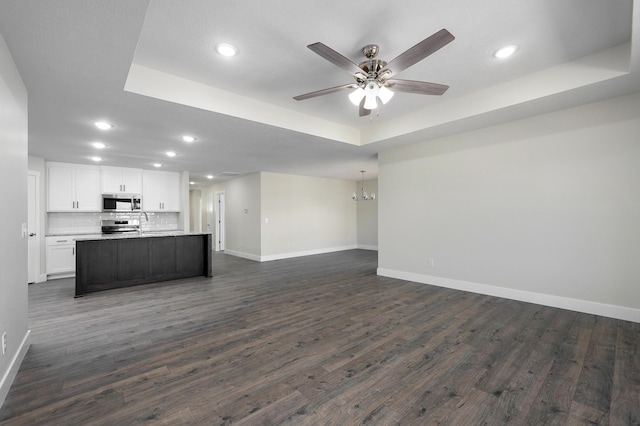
[(373, 76)]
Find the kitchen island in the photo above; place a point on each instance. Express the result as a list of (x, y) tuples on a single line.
[(112, 261)]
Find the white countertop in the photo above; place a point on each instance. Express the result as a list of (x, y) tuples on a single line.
[(148, 234), (145, 234)]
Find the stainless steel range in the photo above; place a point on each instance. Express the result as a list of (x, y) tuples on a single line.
[(121, 226)]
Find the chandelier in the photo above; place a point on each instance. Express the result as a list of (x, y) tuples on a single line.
[(364, 196)]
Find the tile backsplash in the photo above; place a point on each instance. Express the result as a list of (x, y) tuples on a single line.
[(90, 223)]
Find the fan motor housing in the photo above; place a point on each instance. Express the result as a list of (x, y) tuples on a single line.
[(372, 65)]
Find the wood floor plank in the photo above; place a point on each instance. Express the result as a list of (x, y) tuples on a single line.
[(595, 384), (625, 398), (316, 340)]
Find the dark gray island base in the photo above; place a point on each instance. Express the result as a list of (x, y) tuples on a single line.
[(107, 263)]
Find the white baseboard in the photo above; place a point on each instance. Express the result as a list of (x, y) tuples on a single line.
[(281, 256), (243, 255), (578, 305), (366, 247), (14, 366), (41, 278)]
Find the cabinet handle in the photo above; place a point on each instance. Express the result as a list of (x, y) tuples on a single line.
[(77, 204), (73, 251), (124, 188)]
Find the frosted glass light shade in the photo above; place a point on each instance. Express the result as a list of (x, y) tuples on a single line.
[(370, 102), (371, 91), (385, 94), (356, 96)]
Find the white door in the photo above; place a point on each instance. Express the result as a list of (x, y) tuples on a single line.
[(210, 217), (33, 210), (220, 213)]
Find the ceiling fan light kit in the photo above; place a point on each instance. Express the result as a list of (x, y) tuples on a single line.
[(373, 76)]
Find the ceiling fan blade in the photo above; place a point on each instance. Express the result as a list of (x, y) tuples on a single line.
[(419, 87), (363, 112), (418, 52), (335, 58), (324, 91)]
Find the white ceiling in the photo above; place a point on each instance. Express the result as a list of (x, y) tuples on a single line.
[(150, 68)]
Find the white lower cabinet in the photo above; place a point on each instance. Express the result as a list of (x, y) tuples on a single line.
[(61, 256)]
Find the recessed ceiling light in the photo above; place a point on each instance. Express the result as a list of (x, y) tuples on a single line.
[(103, 125), (98, 145), (209, 176), (157, 165), (226, 49), (188, 138), (96, 159), (192, 183), (170, 154), (506, 51)]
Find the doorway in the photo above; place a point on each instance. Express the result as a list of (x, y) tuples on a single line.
[(210, 217), (220, 220), (33, 221)]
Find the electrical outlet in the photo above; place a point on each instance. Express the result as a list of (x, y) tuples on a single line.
[(4, 343), (431, 262)]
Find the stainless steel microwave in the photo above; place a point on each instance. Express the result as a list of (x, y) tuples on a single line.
[(120, 202)]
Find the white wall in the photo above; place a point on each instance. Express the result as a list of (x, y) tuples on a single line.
[(195, 210), (13, 247), (242, 201), (544, 209), (368, 217), (306, 215)]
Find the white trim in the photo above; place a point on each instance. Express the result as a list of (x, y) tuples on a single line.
[(14, 366), (305, 253), (41, 278), (38, 213), (578, 305), (281, 256), (366, 247), (243, 255)]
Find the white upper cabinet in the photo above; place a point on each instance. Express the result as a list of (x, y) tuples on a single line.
[(121, 180), (160, 191), (73, 188)]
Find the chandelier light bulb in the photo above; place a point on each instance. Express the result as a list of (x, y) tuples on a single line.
[(364, 195)]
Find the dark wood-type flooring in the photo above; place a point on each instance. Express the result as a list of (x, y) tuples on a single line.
[(319, 340)]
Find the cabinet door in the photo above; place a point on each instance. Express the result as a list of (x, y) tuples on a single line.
[(61, 188), (132, 181), (191, 255), (152, 191), (111, 181), (171, 192), (162, 256), (133, 258), (61, 258), (97, 263), (88, 190)]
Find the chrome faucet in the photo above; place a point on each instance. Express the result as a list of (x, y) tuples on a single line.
[(146, 216)]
